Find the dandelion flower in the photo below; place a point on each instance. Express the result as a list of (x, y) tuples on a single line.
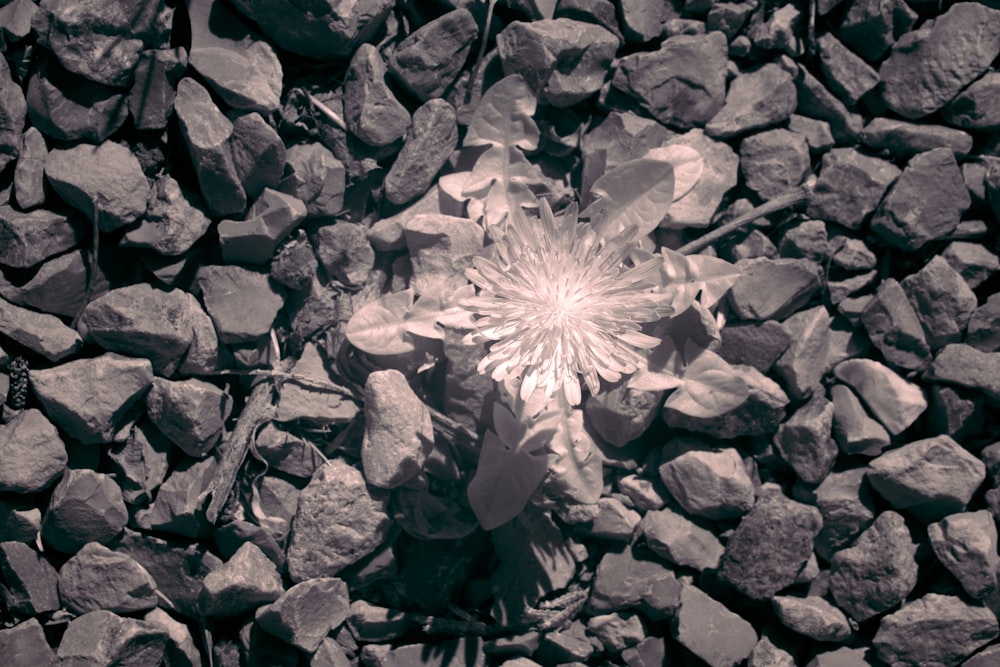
[(559, 301)]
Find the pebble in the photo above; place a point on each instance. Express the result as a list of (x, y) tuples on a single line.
[(398, 430), (756, 244), (902, 139), (679, 540), (430, 59), (306, 612), (850, 186), (757, 99), (804, 363), (943, 301), (245, 582), (966, 366), (755, 344), (32, 237), (104, 638), (26, 642), (710, 484), (815, 101), (767, 550), (959, 412), (151, 100), (805, 440), (807, 239), (434, 654), (242, 303), (931, 478), (344, 252), (925, 70), (191, 413), (853, 255), (441, 249), (178, 508), (773, 288), (32, 455), (934, 630), (766, 652), (20, 520), (892, 400), (642, 22), (720, 174), (847, 506), (622, 581), (976, 107), (41, 333), (173, 222), (317, 178), (813, 617), (86, 506), (728, 18), (371, 110), (984, 326), (854, 430), (258, 154), (140, 463), (108, 174), (777, 30), (966, 544), (93, 112), (649, 652), (565, 60), (870, 27), (682, 84), (972, 261), (617, 631), (59, 286), (816, 132), (30, 582), (181, 650), (98, 578), (614, 521), (773, 161), (203, 356), (206, 133), (895, 328), (432, 137), (29, 172), (269, 221), (711, 631), (250, 80), (848, 76)]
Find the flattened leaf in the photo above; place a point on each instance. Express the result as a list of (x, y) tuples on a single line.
[(637, 192), (504, 116), (664, 369), (687, 163), (506, 477), (501, 180), (711, 388), (380, 326), (576, 472), (684, 276)]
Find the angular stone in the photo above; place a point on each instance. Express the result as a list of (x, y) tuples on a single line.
[(712, 484), (441, 249), (338, 522), (317, 178), (566, 61), (902, 139), (299, 404), (246, 581), (845, 501), (374, 623), (25, 643), (892, 400), (429, 60), (850, 186), (620, 414), (98, 578), (59, 286), (104, 180), (966, 544), (181, 651), (813, 617), (682, 84), (815, 101), (250, 80), (398, 430), (30, 582), (804, 363), (930, 66), (720, 174), (140, 463), (805, 441), (848, 76), (807, 239), (728, 18), (190, 412), (943, 301), (773, 161), (258, 154), (269, 221), (344, 252), (984, 326), (894, 328), (708, 629), (68, 107), (770, 545), (934, 630), (306, 612), (206, 134), (966, 366), (870, 27), (614, 521), (29, 172), (151, 101), (853, 255), (432, 137), (174, 220), (104, 638), (371, 111), (755, 344), (679, 540), (20, 520), (242, 303), (756, 244), (777, 30), (972, 261), (32, 455), (30, 238), (978, 106), (617, 631), (203, 356), (816, 132), (86, 506), (854, 430), (179, 505), (41, 333), (643, 21), (773, 288), (623, 581), (756, 100)]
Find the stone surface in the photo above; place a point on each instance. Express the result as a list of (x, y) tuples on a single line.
[(98, 578), (966, 366), (622, 581), (268, 222), (398, 430), (711, 484), (753, 344), (29, 238), (441, 249), (815, 101), (848, 76), (976, 107), (720, 174), (773, 288), (250, 80), (712, 632), (32, 455), (317, 178), (773, 161), (870, 27), (104, 638), (371, 110), (258, 154), (813, 617), (179, 507), (29, 172), (804, 363), (429, 60), (892, 400), (620, 414), (246, 581), (86, 506), (173, 222), (614, 521), (242, 303), (943, 301), (25, 644), (68, 107), (805, 441), (893, 326), (850, 186), (30, 582), (432, 137), (191, 413), (845, 501), (306, 612), (966, 544), (151, 101), (853, 428), (140, 463), (679, 540), (756, 99), (903, 139), (972, 261), (344, 252), (40, 333), (934, 630), (984, 326), (808, 239), (181, 650)]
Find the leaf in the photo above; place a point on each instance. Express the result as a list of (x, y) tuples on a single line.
[(380, 326), (664, 369), (575, 471), (684, 276), (687, 163), (637, 192), (504, 116), (711, 388), (501, 179)]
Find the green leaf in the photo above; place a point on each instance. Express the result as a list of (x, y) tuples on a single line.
[(501, 181), (684, 276), (687, 163), (380, 327), (637, 192), (575, 471), (663, 370), (711, 387), (504, 116)]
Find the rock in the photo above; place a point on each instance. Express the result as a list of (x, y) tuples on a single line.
[(816, 132), (754, 344), (269, 221), (344, 252), (853, 255), (141, 321), (682, 84), (846, 504), (972, 261), (805, 440), (250, 80), (29, 172), (711, 484), (850, 186), (966, 544), (756, 100), (855, 431), (708, 629), (620, 414), (98, 578), (429, 60), (20, 520), (892, 400), (30, 582), (258, 154), (614, 521), (317, 178), (140, 463), (619, 137), (720, 174), (441, 249), (777, 30), (773, 288), (102, 42), (679, 540), (32, 455), (622, 581), (306, 612), (984, 326), (870, 27), (41, 333), (804, 363), (894, 328), (179, 505), (728, 18), (767, 653), (203, 356), (206, 134), (246, 581), (966, 366), (756, 244), (932, 477), (25, 643), (151, 101), (935, 629), (643, 21), (807, 239), (770, 545), (373, 623), (104, 638), (59, 286), (242, 303), (90, 399), (371, 111), (432, 137), (181, 651), (976, 107), (617, 631), (813, 617), (433, 655), (815, 101), (68, 107), (943, 301), (338, 522), (773, 161), (565, 61), (928, 67), (398, 430), (104, 180), (956, 411), (848, 76), (190, 412), (173, 221), (30, 238), (903, 139), (86, 506)]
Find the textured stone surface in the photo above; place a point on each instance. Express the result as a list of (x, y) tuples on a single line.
[(848, 76), (711, 631), (934, 630), (943, 301), (32, 455), (190, 412), (773, 161), (432, 137), (441, 248), (429, 60), (173, 222), (813, 617), (253, 241), (679, 540), (804, 363), (893, 326), (966, 366), (306, 612), (815, 101), (371, 110), (773, 288), (805, 441), (344, 252), (178, 508), (850, 186), (892, 400), (855, 431), (845, 501), (86, 506), (317, 178), (244, 582), (98, 578), (68, 107), (712, 484), (242, 303), (28, 238), (29, 172), (966, 544), (756, 99), (984, 326), (151, 100), (25, 644), (398, 430), (258, 153), (903, 139), (249, 80), (978, 106), (30, 582), (104, 638), (40, 333)]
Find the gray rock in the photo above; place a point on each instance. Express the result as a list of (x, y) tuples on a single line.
[(903, 139), (855, 431), (30, 582), (966, 366), (976, 107), (966, 544), (32, 455), (622, 581), (268, 222), (306, 612), (246, 581), (68, 107), (984, 326), (617, 631), (643, 21), (398, 430), (777, 30), (317, 178), (943, 301), (26, 642), (190, 412), (682, 84), (708, 629), (926, 69), (98, 578), (371, 111), (728, 18), (250, 80), (934, 630), (721, 173), (847, 506), (894, 327), (853, 255), (20, 520), (173, 222), (805, 441), (179, 504), (712, 484), (30, 238), (104, 180), (972, 261), (151, 101), (59, 286), (258, 154), (773, 161), (770, 546), (140, 463), (203, 356), (804, 363), (757, 99), (374, 623), (773, 288), (432, 137), (614, 521), (29, 172), (41, 333), (848, 76), (344, 252), (754, 344), (766, 652), (441, 249), (679, 540), (756, 244), (242, 303), (813, 617), (566, 61), (816, 132), (807, 239), (620, 414), (870, 27), (892, 400), (815, 101), (86, 506), (429, 60), (181, 650), (104, 638), (850, 186)]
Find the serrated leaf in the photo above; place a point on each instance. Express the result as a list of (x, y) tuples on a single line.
[(504, 116), (687, 163), (684, 276), (637, 192), (575, 471), (379, 327), (711, 388)]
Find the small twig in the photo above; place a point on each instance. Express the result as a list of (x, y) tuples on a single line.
[(791, 198), (329, 113)]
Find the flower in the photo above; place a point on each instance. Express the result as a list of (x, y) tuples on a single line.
[(559, 301)]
